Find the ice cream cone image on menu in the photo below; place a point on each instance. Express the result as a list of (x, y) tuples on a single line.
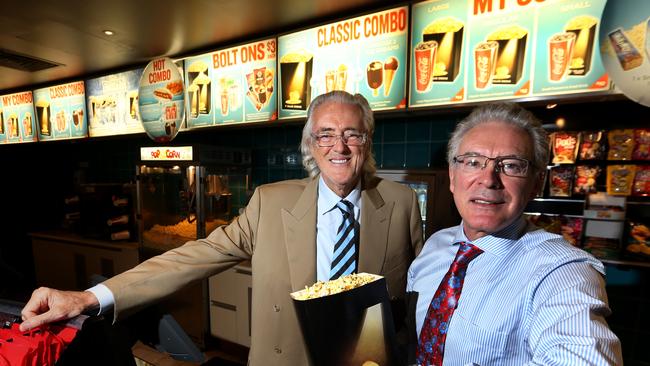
[(390, 66)]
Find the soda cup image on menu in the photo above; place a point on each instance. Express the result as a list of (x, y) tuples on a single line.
[(330, 80), (425, 56), (485, 54), (560, 52), (224, 83), (224, 102)]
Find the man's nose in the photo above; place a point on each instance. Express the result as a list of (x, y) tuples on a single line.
[(489, 176), (339, 145)]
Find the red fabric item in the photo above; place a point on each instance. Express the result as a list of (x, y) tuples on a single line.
[(39, 347), (431, 345)]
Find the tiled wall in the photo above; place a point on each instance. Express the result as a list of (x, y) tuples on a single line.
[(398, 144)]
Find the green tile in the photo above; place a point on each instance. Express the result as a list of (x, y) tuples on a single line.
[(378, 136), (393, 156), (418, 155), (276, 174), (378, 153), (394, 132), (418, 131), (260, 137), (293, 136), (259, 157), (442, 129), (438, 154)]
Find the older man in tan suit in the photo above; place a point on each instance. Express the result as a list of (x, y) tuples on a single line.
[(288, 231)]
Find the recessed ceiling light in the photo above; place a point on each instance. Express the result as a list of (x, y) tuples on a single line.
[(551, 106), (560, 122), (108, 32)]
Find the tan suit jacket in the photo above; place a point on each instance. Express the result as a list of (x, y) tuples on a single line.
[(277, 232)]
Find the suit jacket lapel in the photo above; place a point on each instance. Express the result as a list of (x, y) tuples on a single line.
[(374, 230), (300, 237)]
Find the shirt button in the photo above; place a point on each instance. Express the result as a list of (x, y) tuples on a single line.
[(278, 350), (276, 308)]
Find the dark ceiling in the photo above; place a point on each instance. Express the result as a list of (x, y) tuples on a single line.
[(70, 32)]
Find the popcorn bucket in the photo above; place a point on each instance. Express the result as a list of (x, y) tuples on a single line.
[(353, 327)]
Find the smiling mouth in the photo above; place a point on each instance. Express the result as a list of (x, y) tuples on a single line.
[(339, 160), (486, 202)]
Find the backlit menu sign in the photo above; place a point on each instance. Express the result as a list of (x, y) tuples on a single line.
[(365, 55), (232, 85), (17, 118), (113, 104), (567, 58), (61, 112), (176, 153), (505, 48), (500, 50), (438, 38), (161, 99)]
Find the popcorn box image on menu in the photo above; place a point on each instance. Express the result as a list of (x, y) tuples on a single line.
[(347, 321), (448, 32)]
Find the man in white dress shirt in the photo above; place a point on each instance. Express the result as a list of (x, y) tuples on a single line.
[(527, 297)]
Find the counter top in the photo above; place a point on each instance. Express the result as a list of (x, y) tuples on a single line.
[(74, 238)]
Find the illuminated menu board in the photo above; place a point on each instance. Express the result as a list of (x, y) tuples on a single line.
[(61, 112), (113, 104), (568, 59), (438, 38), (503, 49), (17, 118), (365, 55), (232, 85)]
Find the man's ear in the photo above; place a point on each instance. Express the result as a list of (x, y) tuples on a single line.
[(451, 179)]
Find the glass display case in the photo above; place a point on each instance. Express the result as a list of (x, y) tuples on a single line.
[(431, 186), (185, 192)]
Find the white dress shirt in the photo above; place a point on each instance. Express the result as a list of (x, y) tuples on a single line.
[(529, 299)]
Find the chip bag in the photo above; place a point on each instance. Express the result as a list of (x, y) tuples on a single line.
[(621, 144)]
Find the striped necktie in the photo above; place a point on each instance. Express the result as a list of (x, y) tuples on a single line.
[(344, 261), (431, 345)]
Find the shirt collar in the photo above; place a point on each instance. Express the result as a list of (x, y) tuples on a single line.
[(498, 243), (327, 199)]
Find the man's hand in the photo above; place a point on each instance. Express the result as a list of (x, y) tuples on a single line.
[(48, 305)]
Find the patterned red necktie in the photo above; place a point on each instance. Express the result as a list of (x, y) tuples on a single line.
[(431, 345)]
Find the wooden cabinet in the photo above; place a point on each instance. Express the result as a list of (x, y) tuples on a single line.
[(67, 261), (230, 304)]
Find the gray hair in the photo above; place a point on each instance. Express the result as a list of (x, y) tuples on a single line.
[(338, 96), (508, 113)]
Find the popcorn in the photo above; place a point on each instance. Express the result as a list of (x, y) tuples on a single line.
[(341, 284)]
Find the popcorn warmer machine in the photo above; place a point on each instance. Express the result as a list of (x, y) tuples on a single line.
[(185, 192)]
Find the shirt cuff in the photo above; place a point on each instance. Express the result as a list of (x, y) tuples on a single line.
[(104, 296)]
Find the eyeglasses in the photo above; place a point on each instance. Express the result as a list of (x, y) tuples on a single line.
[(350, 138), (510, 166)]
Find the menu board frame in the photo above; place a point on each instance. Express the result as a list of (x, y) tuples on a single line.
[(17, 121), (61, 111), (313, 61), (519, 26), (234, 85), (112, 102)]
